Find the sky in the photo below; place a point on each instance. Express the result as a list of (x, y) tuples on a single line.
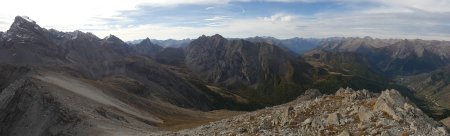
[(179, 19)]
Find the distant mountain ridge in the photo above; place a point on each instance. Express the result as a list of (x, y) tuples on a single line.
[(166, 43), (296, 45), (395, 56)]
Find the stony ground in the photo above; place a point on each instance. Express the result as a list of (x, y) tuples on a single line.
[(348, 112)]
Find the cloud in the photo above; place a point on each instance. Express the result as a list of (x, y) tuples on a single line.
[(425, 5), (424, 25), (217, 18), (135, 19), (234, 28), (78, 14), (209, 8), (181, 2), (280, 17), (216, 21)]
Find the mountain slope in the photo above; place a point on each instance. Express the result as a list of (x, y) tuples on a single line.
[(413, 64), (396, 57), (87, 56), (255, 70), (347, 112), (147, 48), (75, 83), (433, 87)]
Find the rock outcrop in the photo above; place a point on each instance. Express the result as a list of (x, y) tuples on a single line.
[(147, 48), (348, 112)]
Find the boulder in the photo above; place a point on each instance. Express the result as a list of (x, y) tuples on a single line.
[(334, 119)]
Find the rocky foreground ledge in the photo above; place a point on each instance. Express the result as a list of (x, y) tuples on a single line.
[(346, 113)]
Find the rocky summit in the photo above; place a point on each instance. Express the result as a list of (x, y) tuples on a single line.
[(347, 112)]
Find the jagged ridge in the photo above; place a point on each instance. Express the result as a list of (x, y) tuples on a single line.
[(347, 112)]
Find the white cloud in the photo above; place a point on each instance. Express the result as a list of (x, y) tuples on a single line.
[(209, 8), (68, 15), (422, 25), (280, 17), (178, 2), (425, 5), (217, 18), (233, 28), (426, 19)]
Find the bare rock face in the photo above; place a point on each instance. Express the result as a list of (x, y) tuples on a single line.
[(240, 62), (348, 112), (1, 38), (147, 48), (257, 70), (388, 103), (26, 110)]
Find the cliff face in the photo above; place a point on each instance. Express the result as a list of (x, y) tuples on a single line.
[(258, 71), (229, 62), (347, 112)]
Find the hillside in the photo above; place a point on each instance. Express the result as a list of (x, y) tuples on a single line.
[(345, 113), (417, 67), (258, 71)]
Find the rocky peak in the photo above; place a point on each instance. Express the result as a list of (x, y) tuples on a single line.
[(115, 43), (207, 43), (77, 33), (146, 41), (113, 38), (348, 112), (214, 38), (217, 36), (23, 20), (147, 48), (23, 27), (85, 36)]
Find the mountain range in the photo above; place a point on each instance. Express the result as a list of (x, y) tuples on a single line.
[(74, 83)]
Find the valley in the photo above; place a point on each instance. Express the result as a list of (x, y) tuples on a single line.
[(74, 83)]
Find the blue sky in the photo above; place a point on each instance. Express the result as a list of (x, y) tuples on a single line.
[(179, 19)]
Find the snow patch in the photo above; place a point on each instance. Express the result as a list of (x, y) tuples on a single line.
[(109, 36), (27, 19), (74, 37)]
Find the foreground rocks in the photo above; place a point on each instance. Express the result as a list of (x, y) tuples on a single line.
[(348, 112)]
